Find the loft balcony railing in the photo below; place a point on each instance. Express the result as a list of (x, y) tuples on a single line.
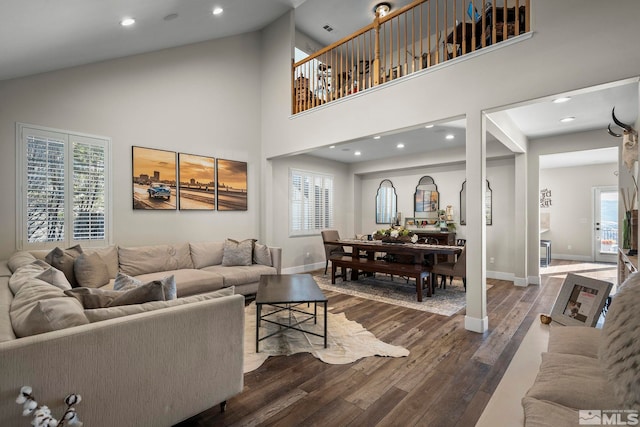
[(418, 36)]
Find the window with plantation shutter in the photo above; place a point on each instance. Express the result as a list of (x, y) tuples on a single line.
[(311, 202), (63, 197)]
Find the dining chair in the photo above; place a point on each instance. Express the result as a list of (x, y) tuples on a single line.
[(329, 249), (430, 258), (452, 269)]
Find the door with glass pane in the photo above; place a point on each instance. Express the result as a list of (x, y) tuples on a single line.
[(606, 224)]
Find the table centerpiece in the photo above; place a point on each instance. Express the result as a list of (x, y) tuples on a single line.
[(396, 234)]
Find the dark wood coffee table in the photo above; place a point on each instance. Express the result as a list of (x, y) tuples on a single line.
[(285, 292)]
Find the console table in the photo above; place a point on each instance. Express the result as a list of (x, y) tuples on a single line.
[(627, 264)]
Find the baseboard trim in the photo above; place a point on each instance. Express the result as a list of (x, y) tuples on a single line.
[(569, 257), (474, 324), (500, 275), (520, 281), (304, 268), (534, 280)]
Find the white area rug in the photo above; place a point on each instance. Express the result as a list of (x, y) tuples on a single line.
[(347, 342), (446, 302)]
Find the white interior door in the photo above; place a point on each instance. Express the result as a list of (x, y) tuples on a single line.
[(605, 217)]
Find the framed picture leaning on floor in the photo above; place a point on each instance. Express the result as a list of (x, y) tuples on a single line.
[(580, 301)]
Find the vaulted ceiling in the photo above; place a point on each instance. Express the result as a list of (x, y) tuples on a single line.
[(42, 35)]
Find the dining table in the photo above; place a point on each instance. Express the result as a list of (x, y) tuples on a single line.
[(418, 250), (418, 253)]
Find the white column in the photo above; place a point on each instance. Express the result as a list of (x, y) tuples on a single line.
[(521, 221), (476, 319), (533, 216)]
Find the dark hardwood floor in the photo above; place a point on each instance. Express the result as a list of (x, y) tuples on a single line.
[(446, 380)]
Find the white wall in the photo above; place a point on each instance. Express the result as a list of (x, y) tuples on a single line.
[(295, 257), (500, 174), (551, 145), (499, 77), (199, 99), (571, 211), (558, 57)]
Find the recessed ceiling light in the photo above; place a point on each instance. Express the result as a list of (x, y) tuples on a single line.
[(217, 10), (357, 153), (561, 100), (126, 22), (400, 145), (332, 147), (450, 136), (428, 126), (567, 119), (376, 137)]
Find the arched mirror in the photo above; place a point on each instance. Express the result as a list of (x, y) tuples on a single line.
[(488, 208), (426, 199), (386, 203)]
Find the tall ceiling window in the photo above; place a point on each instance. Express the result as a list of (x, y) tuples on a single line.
[(63, 195), (310, 202)]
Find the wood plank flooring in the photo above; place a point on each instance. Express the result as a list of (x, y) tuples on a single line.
[(446, 380)]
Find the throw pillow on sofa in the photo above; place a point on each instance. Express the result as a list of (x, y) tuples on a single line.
[(63, 260), (26, 274), (237, 253), (124, 282), (20, 259), (262, 255), (619, 347), (55, 277), (39, 307), (90, 270), (100, 314), (205, 254), (93, 297), (109, 255), (152, 291)]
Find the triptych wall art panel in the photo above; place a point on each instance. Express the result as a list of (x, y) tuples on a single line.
[(197, 183), (232, 185), (154, 178), (166, 180)]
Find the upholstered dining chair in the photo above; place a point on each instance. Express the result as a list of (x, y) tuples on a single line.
[(329, 249), (452, 269)]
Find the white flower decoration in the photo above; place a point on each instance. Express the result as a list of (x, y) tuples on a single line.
[(29, 407), (394, 233), (414, 238)]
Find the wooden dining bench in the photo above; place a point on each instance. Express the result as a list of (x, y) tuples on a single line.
[(421, 273)]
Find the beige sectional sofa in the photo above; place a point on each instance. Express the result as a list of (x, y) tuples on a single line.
[(589, 372), (150, 364)]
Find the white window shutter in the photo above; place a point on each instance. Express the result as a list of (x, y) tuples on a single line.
[(88, 191), (63, 194), (45, 195), (311, 202)]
